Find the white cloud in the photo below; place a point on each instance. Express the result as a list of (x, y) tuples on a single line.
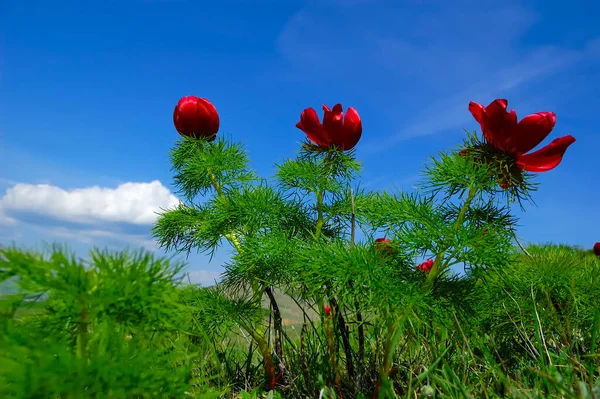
[(203, 277), (134, 203)]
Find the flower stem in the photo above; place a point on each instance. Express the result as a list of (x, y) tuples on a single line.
[(265, 350), (332, 355), (82, 332), (256, 334), (320, 196), (438, 266), (320, 221), (231, 237), (389, 349), (359, 318)]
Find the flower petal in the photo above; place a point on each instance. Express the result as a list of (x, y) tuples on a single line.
[(208, 117), (498, 105), (310, 124), (477, 110), (352, 129), (185, 114), (546, 158), (333, 124), (332, 120), (532, 130), (498, 125)]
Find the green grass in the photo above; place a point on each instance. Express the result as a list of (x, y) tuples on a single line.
[(126, 330)]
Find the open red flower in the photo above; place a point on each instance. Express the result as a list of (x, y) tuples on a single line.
[(426, 266), (196, 117), (501, 129), (327, 309), (597, 249), (337, 130)]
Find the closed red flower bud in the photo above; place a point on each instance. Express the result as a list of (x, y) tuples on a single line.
[(597, 249), (196, 117), (337, 130), (327, 309), (383, 245), (426, 266), (501, 129)]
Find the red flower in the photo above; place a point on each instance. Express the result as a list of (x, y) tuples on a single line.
[(336, 130), (327, 310), (597, 249), (426, 266), (381, 242), (196, 117), (501, 129), (382, 245)]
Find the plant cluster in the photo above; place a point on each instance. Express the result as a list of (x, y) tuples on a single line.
[(380, 312)]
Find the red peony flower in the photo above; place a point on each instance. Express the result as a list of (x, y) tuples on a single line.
[(196, 117), (336, 130), (501, 129), (327, 310), (426, 266), (597, 249)]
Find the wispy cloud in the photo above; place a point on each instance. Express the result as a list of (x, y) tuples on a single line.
[(445, 55), (451, 112), (6, 220), (95, 237)]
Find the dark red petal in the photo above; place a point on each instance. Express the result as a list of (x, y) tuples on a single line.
[(546, 158), (208, 117), (332, 119), (333, 125), (338, 111), (498, 105), (498, 125), (327, 115), (185, 115), (597, 249), (177, 120), (352, 129), (532, 130), (477, 110), (310, 124)]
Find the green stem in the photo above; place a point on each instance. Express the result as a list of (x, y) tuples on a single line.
[(320, 221), (82, 331), (320, 195), (265, 350), (257, 293), (352, 220), (438, 266), (332, 354), (389, 349), (231, 237)]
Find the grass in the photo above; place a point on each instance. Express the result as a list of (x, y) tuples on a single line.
[(127, 330)]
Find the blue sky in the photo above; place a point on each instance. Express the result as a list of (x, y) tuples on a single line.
[(87, 91)]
